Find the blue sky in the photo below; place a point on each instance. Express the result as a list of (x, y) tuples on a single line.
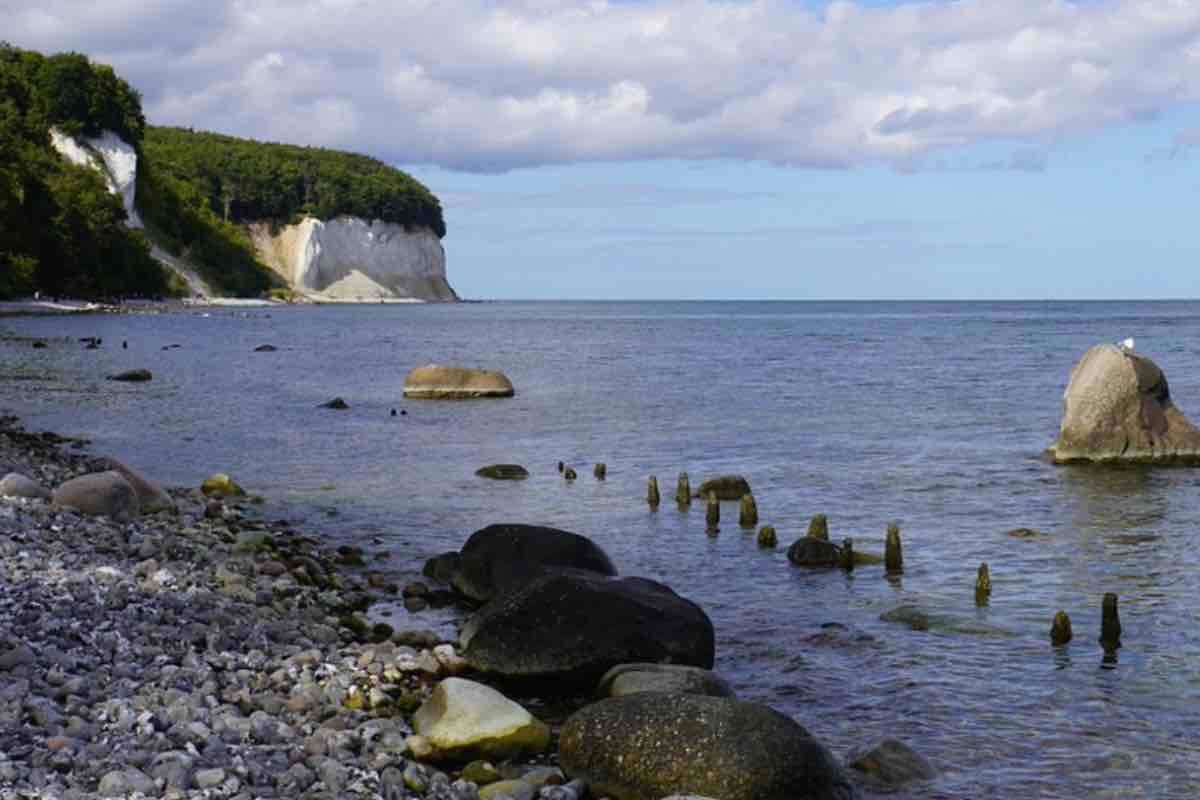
[(719, 149)]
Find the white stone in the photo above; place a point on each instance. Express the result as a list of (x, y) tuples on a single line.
[(112, 156), (464, 719), (349, 259)]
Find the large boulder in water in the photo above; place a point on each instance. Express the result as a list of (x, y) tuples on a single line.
[(500, 558), (567, 629), (1117, 407), (809, 551), (647, 746), (435, 382)]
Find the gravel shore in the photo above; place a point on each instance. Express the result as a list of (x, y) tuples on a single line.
[(201, 653)]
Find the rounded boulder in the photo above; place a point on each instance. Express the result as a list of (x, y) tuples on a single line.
[(503, 472), (626, 679), (463, 720), (436, 382), (648, 746), (100, 494), (1117, 407), (809, 551), (151, 496), (566, 629), (16, 485), (500, 558)]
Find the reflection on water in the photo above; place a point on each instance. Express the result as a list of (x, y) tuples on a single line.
[(930, 415)]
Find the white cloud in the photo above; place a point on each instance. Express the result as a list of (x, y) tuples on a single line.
[(489, 85)]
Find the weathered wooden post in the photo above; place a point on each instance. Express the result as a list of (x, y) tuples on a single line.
[(848, 554), (893, 557), (818, 527), (983, 585), (1110, 623), (600, 471), (766, 537), (652, 496), (712, 514), (561, 467), (683, 491), (1060, 629), (748, 512)]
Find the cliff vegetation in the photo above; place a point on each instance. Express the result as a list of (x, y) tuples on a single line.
[(63, 233)]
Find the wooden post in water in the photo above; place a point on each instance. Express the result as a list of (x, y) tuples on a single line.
[(569, 473), (600, 471), (766, 537), (748, 512), (561, 467), (1110, 623), (983, 585), (848, 554), (1060, 629), (683, 491), (712, 514), (818, 527), (652, 496), (893, 557)]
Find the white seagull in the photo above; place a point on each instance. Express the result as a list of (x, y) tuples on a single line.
[(1127, 345)]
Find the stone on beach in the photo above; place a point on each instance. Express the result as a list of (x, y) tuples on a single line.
[(626, 679), (1117, 407), (501, 558), (16, 485), (725, 487), (567, 629), (463, 720), (150, 494), (651, 745), (436, 382), (221, 485), (101, 494)]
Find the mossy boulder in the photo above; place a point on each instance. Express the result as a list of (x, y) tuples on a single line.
[(221, 485), (725, 487), (437, 382), (503, 472), (809, 551), (651, 745)]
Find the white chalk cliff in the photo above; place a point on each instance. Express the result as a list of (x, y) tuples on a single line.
[(112, 157), (348, 259)]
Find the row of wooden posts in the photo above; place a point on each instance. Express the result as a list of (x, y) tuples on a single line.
[(893, 558)]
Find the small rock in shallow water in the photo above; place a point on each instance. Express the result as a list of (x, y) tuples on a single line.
[(132, 376)]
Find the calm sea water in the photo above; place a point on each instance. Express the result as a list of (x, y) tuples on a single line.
[(932, 415)]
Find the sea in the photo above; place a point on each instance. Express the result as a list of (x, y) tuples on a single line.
[(931, 415)]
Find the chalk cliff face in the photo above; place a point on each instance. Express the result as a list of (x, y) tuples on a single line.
[(112, 156), (349, 259)]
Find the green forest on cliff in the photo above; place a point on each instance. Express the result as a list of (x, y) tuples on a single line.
[(63, 233)]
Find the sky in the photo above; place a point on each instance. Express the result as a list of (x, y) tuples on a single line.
[(718, 149)]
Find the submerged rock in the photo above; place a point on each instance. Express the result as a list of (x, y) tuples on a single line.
[(132, 376), (567, 629), (337, 403), (653, 745), (435, 382), (503, 472), (1117, 407), (809, 551), (891, 763)]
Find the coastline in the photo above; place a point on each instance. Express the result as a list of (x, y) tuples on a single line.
[(197, 650)]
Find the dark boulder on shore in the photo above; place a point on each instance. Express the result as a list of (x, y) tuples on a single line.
[(500, 558), (567, 629), (726, 487), (651, 745), (100, 494)]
